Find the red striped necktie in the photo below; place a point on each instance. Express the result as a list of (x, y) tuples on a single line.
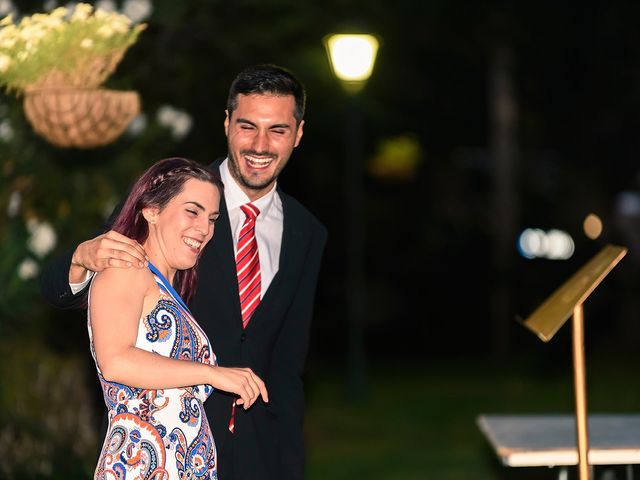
[(248, 264), (248, 269)]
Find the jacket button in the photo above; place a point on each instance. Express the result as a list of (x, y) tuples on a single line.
[(243, 337)]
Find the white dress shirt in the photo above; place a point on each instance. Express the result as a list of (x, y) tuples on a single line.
[(269, 224)]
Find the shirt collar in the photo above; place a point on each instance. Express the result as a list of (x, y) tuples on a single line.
[(235, 197)]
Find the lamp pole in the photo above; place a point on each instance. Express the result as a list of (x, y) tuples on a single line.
[(352, 57)]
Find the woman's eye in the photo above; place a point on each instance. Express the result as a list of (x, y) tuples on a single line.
[(192, 212)]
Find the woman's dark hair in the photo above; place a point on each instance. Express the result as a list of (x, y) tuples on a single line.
[(267, 80), (155, 188)]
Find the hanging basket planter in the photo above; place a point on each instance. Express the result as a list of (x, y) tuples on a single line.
[(79, 117), (58, 62)]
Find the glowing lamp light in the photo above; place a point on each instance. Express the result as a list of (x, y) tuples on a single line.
[(352, 57)]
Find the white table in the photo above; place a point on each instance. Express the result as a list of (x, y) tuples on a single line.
[(550, 440)]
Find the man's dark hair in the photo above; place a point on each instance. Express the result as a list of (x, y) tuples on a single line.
[(267, 80)]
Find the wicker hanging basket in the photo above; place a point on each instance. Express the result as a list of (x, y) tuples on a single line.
[(80, 117), (69, 109)]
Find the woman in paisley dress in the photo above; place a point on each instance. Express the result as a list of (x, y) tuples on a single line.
[(155, 364)]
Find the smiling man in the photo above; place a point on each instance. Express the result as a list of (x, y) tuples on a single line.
[(262, 131), (256, 278)]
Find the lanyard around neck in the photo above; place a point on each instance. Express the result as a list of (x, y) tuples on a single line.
[(169, 287)]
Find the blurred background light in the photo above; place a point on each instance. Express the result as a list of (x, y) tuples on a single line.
[(560, 245), (553, 245), (531, 243), (592, 226), (628, 204)]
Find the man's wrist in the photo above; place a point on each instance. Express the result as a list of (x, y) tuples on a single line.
[(77, 271)]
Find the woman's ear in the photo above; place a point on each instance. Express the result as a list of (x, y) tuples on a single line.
[(150, 214)]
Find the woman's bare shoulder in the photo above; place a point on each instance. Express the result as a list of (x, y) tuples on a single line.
[(131, 280)]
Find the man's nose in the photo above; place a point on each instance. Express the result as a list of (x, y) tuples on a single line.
[(261, 142)]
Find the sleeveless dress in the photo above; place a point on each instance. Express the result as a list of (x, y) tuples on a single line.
[(160, 434)]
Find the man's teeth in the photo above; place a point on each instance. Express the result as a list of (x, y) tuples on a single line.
[(192, 243), (258, 162)]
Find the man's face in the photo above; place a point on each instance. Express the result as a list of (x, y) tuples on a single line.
[(261, 134)]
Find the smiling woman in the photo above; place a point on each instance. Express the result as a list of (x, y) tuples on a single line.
[(155, 192), (154, 362)]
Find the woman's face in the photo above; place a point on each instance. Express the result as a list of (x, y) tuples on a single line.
[(179, 232)]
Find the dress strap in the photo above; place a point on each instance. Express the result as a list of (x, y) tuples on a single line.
[(165, 285)]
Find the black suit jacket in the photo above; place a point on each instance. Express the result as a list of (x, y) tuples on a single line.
[(267, 443)]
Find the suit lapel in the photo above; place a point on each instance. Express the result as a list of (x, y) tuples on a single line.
[(223, 249), (224, 256)]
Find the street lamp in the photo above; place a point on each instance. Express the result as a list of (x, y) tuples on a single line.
[(352, 57)]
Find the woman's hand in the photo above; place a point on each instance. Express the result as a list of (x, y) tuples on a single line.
[(241, 381)]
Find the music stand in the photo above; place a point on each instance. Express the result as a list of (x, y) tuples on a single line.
[(547, 319)]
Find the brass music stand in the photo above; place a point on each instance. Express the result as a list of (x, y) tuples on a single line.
[(554, 312)]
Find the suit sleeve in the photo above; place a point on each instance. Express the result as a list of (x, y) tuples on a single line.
[(54, 279), (287, 367), (54, 284)]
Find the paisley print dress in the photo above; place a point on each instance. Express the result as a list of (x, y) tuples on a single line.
[(160, 434)]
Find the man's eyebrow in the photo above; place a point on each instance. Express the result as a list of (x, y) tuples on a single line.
[(249, 122), (244, 120)]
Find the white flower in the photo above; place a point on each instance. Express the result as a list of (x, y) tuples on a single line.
[(59, 13), (7, 43), (32, 33), (86, 43), (178, 121), (120, 24), (28, 269), (106, 5), (15, 199), (137, 125), (43, 237), (105, 31), (6, 7), (137, 10), (6, 131), (182, 125), (5, 61), (166, 115), (81, 12)]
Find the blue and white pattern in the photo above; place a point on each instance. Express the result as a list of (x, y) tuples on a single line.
[(160, 434)]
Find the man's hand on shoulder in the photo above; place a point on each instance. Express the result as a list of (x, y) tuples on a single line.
[(110, 249)]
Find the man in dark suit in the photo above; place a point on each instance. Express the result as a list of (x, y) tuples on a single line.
[(263, 124)]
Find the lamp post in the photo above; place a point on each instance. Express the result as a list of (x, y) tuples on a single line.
[(352, 57)]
